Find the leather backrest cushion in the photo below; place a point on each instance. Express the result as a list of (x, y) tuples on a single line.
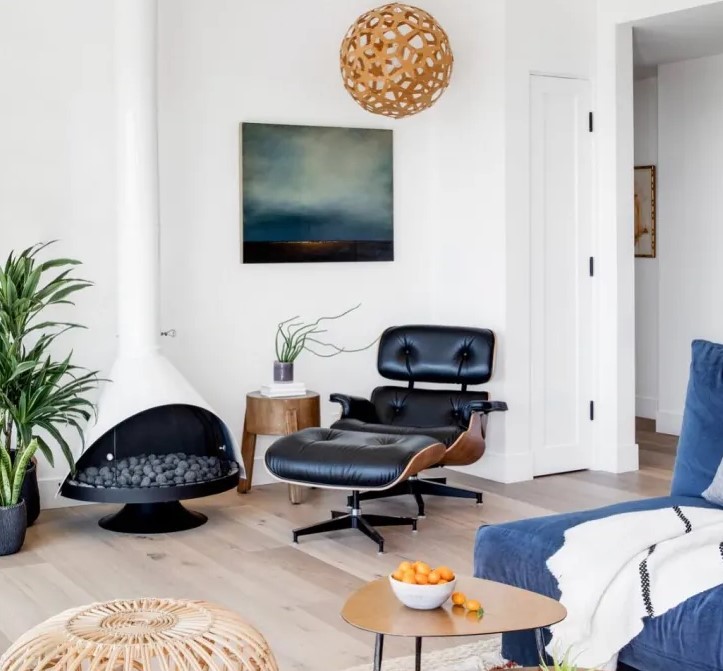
[(445, 354), (422, 407)]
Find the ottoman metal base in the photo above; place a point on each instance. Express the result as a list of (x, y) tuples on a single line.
[(355, 519)]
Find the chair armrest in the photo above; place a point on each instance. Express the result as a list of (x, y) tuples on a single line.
[(356, 407), (484, 407)]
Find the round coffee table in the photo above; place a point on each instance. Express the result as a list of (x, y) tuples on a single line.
[(374, 608)]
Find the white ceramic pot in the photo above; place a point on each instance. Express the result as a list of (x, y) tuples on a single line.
[(422, 597)]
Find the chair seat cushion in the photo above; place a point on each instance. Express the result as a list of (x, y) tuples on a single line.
[(344, 459), (443, 434)]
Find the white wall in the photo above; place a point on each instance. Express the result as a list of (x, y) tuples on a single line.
[(646, 270), (56, 156), (615, 431), (461, 221), (690, 234)]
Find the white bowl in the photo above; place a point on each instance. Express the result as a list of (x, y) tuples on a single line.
[(422, 597)]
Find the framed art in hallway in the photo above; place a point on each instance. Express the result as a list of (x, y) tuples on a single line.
[(316, 194), (645, 211)]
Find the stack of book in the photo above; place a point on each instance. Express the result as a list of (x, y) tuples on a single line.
[(279, 389)]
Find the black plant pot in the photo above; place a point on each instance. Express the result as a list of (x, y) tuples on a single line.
[(13, 525), (30, 493), (283, 371)]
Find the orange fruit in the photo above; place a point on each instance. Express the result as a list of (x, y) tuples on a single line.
[(433, 577), (405, 566), (408, 577), (458, 599), (442, 581), (473, 604), (445, 573), (421, 579), (421, 567), (398, 575)]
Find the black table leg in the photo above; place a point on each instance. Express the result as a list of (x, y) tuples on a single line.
[(418, 654), (540, 640), (378, 652)]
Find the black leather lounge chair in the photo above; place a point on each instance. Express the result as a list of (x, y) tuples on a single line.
[(448, 355)]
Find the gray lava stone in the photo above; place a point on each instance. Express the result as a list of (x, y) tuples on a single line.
[(183, 464), (157, 469), (136, 480), (148, 469), (190, 476), (178, 480), (162, 480), (195, 467), (123, 464), (146, 482), (169, 458), (104, 470), (212, 461), (123, 481), (91, 471), (133, 461)]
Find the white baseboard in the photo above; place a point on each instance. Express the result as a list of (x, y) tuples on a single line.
[(501, 467), (646, 407), (669, 422), (49, 497)]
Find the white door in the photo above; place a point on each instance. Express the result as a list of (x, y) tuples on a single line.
[(561, 286)]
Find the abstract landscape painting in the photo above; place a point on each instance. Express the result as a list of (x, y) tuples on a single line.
[(316, 194)]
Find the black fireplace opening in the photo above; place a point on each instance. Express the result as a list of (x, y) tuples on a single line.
[(150, 462)]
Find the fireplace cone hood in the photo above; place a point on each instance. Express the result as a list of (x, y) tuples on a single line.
[(156, 441)]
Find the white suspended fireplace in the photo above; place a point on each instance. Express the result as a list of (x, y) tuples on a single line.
[(156, 440)]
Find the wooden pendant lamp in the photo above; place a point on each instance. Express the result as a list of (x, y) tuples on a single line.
[(396, 60)]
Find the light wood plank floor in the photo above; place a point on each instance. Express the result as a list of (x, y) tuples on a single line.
[(243, 557)]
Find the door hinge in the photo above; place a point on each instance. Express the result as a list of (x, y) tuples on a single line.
[(591, 122), (592, 411), (592, 266)]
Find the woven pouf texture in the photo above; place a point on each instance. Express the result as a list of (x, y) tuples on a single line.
[(396, 60), (142, 635)]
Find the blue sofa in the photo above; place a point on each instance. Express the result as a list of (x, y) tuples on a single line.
[(687, 637)]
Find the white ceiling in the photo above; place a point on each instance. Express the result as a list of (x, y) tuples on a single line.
[(679, 36)]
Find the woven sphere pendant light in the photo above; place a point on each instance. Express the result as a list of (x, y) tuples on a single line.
[(142, 635), (396, 60)]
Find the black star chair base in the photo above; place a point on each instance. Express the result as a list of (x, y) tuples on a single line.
[(356, 462), (456, 417)]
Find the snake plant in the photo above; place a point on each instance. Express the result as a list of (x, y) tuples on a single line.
[(40, 394)]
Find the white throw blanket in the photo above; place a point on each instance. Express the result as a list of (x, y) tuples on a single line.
[(613, 572)]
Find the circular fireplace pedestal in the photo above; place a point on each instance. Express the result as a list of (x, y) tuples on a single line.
[(152, 518)]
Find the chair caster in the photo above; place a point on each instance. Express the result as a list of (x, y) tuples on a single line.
[(479, 499), (414, 527)]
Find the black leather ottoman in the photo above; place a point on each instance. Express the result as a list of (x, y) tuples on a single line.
[(355, 461)]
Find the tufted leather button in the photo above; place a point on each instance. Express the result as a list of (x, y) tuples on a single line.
[(465, 354)]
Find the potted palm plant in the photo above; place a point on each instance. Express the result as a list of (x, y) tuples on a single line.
[(39, 394)]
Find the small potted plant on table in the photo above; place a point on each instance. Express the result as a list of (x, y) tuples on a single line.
[(293, 337)]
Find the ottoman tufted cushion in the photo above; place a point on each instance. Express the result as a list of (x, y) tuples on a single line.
[(348, 459)]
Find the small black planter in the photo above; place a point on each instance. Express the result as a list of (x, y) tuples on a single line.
[(30, 493), (13, 524), (283, 371)]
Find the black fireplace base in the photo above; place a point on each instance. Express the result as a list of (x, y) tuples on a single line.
[(152, 518)]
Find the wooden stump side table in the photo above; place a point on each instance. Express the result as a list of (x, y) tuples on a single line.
[(281, 416)]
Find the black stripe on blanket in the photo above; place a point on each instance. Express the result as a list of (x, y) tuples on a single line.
[(645, 583), (720, 548), (683, 519)]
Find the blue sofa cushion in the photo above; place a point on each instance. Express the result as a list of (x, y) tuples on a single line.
[(700, 448), (686, 637)]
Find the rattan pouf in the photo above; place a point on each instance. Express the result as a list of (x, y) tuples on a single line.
[(142, 635)]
